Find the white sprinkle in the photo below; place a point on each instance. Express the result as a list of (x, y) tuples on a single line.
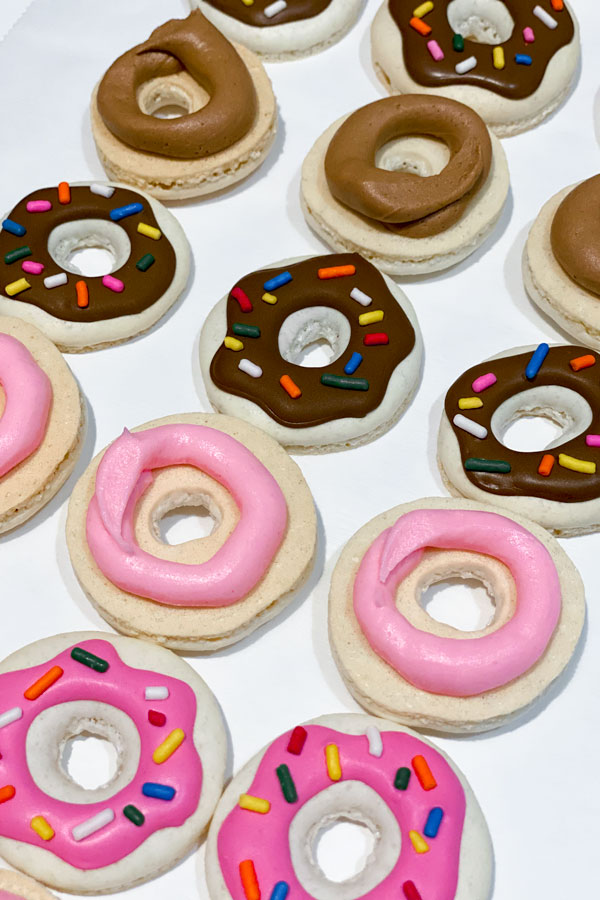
[(473, 428), (53, 281), (466, 65), (105, 190), (91, 826), (11, 715), (157, 693), (274, 8), (545, 17), (250, 368), (361, 298), (375, 740)]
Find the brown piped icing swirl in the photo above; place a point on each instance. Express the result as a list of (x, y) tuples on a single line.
[(575, 234), (193, 45), (295, 11), (412, 205)]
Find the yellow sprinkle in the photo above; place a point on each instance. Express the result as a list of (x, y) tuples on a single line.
[(420, 845), (149, 231), (470, 403), (41, 827), (334, 768), (15, 287), (577, 465), (168, 746), (248, 2), (269, 298), (499, 57), (233, 344), (369, 318), (254, 804), (423, 9)]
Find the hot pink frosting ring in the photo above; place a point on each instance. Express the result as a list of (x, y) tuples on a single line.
[(28, 400), (123, 475), (458, 667)]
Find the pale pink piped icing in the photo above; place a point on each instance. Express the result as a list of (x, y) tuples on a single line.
[(27, 403), (458, 667), (236, 568), (121, 686), (6, 895), (264, 839)]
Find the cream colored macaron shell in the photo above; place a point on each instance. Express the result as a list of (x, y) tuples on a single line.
[(22, 887)]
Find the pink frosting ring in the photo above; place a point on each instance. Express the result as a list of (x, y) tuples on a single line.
[(235, 569), (28, 401), (457, 667)]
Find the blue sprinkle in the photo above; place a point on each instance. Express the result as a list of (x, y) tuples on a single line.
[(273, 283), (535, 363), (158, 791), (353, 363), (522, 59), (434, 820), (280, 891), (14, 227), (121, 212)]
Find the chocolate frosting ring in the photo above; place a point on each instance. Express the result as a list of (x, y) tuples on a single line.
[(421, 206), (196, 46), (575, 235)]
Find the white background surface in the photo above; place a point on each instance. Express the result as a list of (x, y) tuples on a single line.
[(537, 781)]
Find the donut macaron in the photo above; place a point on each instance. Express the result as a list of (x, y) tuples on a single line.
[(14, 886), (167, 730), (399, 662), (513, 61)]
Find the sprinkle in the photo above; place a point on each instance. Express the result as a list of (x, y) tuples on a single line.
[(149, 231), (280, 891), (470, 403), (423, 773), (402, 778), (14, 228), (278, 281), (423, 9), (353, 363), (498, 57), (582, 362), (288, 788), (528, 35), (558, 5), (546, 465), (242, 298), (269, 298), (420, 26), (233, 344), (31, 267), (369, 318), (103, 190), (92, 825), (592, 440), (15, 255), (250, 368), (435, 50), (248, 876), (248, 2), (113, 284), (53, 281), (156, 692), (375, 740), (465, 65), (144, 262), (254, 804), (458, 43), (123, 212), (434, 820), (535, 363), (576, 465), (42, 828), (332, 758), (297, 740), (336, 272), (419, 844), (250, 331), (290, 387), (7, 793), (134, 815), (484, 381), (274, 8), (88, 659), (347, 384), (470, 427), (83, 295), (376, 339), (40, 686), (477, 464), (168, 746), (544, 17), (158, 791), (361, 297), (410, 891), (38, 206), (156, 718), (64, 192), (522, 59), (16, 287)]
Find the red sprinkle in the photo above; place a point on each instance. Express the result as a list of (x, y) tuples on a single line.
[(242, 298), (376, 339), (156, 718), (410, 891), (7, 793), (297, 740)]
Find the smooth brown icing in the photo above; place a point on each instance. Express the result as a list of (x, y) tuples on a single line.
[(575, 234), (410, 204), (142, 289), (514, 81), (562, 484), (318, 403), (295, 11), (196, 46)]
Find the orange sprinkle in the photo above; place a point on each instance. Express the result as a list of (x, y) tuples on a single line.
[(42, 684), (249, 880), (337, 271), (423, 773), (546, 465), (420, 26), (64, 192), (7, 793), (83, 297), (582, 362), (558, 5), (288, 385)]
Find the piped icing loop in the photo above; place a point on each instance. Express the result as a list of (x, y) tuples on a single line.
[(412, 205), (195, 46), (265, 13), (123, 475), (575, 235)]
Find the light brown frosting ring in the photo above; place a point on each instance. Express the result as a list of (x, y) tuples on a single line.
[(408, 203), (575, 235), (196, 46)]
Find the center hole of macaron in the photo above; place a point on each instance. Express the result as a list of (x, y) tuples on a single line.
[(171, 97), (184, 517), (481, 21), (89, 247), (90, 760), (424, 156), (463, 603), (342, 848), (314, 337), (541, 418)]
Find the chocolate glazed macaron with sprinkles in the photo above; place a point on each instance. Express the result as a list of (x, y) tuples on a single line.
[(253, 343), (431, 839), (513, 61), (42, 284), (558, 486)]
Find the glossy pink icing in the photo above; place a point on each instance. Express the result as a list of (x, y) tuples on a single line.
[(458, 667), (6, 895), (28, 399), (264, 838), (123, 687), (123, 476)]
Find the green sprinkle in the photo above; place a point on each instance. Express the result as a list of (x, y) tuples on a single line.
[(402, 778), (348, 384), (474, 464), (145, 262), (250, 331), (88, 659), (134, 815), (458, 42), (286, 781), (14, 255)]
